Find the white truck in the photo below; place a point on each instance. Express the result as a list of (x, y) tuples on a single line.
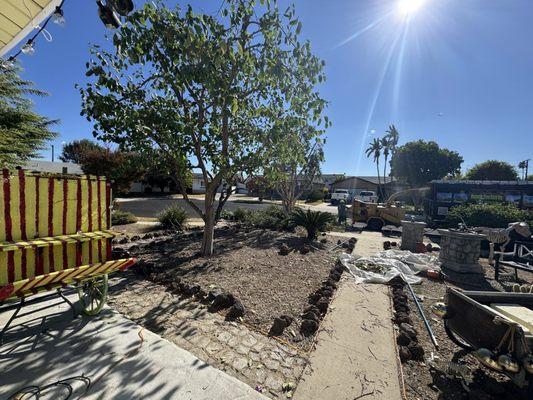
[(340, 194), (367, 196)]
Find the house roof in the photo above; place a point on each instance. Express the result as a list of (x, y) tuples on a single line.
[(372, 179), (52, 167), (467, 182), (18, 19)]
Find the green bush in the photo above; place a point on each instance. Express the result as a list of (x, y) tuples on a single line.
[(122, 218), (227, 215), (173, 217), (487, 215), (315, 195), (312, 221), (271, 217), (241, 214)]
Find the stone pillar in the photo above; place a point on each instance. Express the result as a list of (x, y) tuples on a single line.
[(459, 251), (412, 233)]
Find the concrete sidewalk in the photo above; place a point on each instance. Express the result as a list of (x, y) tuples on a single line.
[(355, 355), (103, 357)]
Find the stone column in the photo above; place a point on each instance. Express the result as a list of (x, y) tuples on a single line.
[(412, 233), (459, 251)]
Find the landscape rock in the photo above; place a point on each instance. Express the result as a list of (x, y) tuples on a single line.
[(386, 245), (322, 304), (335, 276), (305, 249), (134, 238), (284, 249), (308, 327), (402, 317), (236, 311), (403, 339), (327, 293), (405, 354), (313, 298), (279, 325), (212, 294), (311, 315), (416, 351), (409, 330), (223, 300), (148, 236), (313, 309)]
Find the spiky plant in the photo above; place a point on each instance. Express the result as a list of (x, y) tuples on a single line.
[(312, 221)]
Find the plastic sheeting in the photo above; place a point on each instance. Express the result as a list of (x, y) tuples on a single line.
[(387, 265)]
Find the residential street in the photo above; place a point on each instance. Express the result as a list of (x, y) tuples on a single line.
[(150, 207)]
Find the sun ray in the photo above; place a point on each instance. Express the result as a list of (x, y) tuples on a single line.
[(365, 29)]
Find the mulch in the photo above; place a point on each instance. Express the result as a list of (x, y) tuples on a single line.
[(425, 383), (248, 265)]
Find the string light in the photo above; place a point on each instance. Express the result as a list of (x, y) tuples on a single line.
[(58, 17), (29, 47)]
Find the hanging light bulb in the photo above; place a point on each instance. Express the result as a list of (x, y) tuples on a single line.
[(28, 48), (108, 16), (9, 63), (58, 17)]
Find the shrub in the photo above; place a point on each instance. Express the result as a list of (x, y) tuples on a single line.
[(312, 221), (241, 214), (173, 217), (122, 218), (487, 215), (227, 215), (271, 217), (315, 195)]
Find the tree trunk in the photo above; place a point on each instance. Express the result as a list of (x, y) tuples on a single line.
[(209, 220), (207, 239), (385, 180), (380, 192)]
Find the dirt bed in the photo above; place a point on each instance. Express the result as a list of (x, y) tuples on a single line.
[(424, 383), (249, 266)]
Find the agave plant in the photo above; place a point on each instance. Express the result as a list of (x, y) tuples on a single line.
[(312, 221)]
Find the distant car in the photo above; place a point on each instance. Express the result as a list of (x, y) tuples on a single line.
[(339, 194), (367, 196)]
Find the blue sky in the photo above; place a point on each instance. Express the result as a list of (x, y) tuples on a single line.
[(457, 71)]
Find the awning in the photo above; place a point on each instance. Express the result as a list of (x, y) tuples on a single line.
[(18, 18)]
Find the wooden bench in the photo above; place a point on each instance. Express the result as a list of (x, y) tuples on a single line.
[(54, 232), (522, 259)]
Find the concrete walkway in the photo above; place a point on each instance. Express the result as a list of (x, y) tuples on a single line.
[(104, 357), (355, 356)]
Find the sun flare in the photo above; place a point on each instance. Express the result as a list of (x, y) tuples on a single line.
[(408, 7)]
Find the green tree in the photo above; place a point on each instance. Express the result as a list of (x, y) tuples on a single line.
[(294, 160), (492, 170), (420, 162), (374, 150), (75, 150), (203, 90), (23, 132), (122, 168)]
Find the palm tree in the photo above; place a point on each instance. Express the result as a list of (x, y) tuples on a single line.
[(374, 150), (389, 143), (522, 166)]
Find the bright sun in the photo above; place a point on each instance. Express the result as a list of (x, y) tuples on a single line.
[(408, 7)]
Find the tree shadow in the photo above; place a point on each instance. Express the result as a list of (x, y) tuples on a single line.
[(57, 356)]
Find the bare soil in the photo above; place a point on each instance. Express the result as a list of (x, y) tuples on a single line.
[(425, 383), (248, 265)]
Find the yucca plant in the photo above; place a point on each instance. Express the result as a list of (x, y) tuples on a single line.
[(174, 217), (312, 221)]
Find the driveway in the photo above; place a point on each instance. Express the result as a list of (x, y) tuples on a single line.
[(150, 207)]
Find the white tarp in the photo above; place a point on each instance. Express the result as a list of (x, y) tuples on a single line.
[(387, 265)]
